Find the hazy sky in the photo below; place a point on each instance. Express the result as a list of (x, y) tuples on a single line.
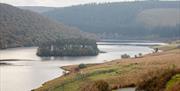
[(55, 3)]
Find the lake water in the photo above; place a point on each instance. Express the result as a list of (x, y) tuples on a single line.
[(33, 71), (127, 89)]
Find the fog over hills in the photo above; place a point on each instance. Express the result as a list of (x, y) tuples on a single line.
[(25, 28)]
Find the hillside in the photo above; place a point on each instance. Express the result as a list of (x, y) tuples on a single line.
[(161, 17), (124, 20), (25, 28), (38, 9)]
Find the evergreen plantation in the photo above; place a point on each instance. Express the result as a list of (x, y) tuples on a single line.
[(124, 20)]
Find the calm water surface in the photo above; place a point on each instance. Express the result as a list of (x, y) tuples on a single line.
[(26, 75), (127, 89)]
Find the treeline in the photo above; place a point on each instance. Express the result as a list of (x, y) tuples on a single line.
[(69, 47), (140, 32)]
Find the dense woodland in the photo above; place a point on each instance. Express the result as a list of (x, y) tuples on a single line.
[(25, 28), (69, 47), (124, 20)]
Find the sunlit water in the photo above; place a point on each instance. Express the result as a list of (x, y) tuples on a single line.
[(26, 75)]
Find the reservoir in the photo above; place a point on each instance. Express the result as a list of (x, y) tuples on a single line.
[(32, 71)]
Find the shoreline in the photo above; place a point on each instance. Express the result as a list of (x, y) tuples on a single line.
[(70, 68), (66, 67), (4, 64), (161, 49), (1, 60)]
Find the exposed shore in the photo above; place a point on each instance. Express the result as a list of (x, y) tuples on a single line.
[(1, 60), (118, 73), (4, 62)]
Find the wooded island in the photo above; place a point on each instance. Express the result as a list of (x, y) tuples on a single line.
[(69, 47)]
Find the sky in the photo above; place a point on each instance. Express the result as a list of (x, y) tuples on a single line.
[(54, 3), (57, 3)]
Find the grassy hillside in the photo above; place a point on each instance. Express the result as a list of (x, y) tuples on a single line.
[(124, 20), (117, 73), (25, 28)]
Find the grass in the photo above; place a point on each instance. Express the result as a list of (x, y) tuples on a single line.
[(117, 73), (173, 81), (158, 80)]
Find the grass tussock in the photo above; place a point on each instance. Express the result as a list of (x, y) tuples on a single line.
[(99, 85)]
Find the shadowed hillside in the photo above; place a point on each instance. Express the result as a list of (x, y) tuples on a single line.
[(25, 28)]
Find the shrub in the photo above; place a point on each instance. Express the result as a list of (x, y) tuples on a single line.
[(125, 56), (140, 54), (135, 56), (178, 46), (99, 85), (81, 66)]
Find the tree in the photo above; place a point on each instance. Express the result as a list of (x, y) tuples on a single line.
[(81, 66)]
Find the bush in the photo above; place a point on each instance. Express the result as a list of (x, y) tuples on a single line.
[(125, 56), (178, 46), (140, 54), (81, 66), (99, 85)]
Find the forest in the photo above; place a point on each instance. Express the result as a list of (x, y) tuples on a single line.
[(22, 28), (123, 20), (68, 47)]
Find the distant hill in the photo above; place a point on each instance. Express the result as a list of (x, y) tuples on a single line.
[(124, 20), (160, 17), (25, 28), (38, 9)]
